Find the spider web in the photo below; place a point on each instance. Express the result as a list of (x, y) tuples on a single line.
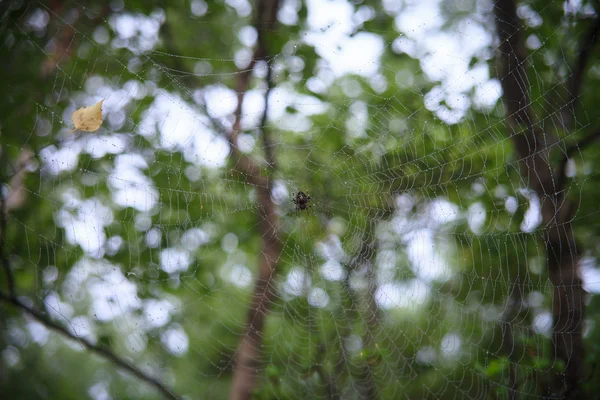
[(418, 271)]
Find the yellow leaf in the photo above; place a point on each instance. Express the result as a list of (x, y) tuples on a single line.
[(88, 119)]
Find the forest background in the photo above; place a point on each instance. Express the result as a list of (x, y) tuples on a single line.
[(448, 250)]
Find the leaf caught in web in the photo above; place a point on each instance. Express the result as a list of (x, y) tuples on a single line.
[(88, 119)]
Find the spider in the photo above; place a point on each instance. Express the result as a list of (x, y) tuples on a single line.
[(302, 201)]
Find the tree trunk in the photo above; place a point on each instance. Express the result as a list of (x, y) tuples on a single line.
[(533, 147), (248, 357)]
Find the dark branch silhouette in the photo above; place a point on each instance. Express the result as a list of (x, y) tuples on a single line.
[(96, 349), (12, 298)]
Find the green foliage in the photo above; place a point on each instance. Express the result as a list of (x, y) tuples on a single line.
[(443, 338)]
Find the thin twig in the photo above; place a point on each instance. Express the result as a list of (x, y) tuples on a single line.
[(97, 349), (266, 15), (264, 133)]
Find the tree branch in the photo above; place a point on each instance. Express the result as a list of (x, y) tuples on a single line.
[(244, 163), (574, 84), (248, 354), (97, 349), (11, 298)]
